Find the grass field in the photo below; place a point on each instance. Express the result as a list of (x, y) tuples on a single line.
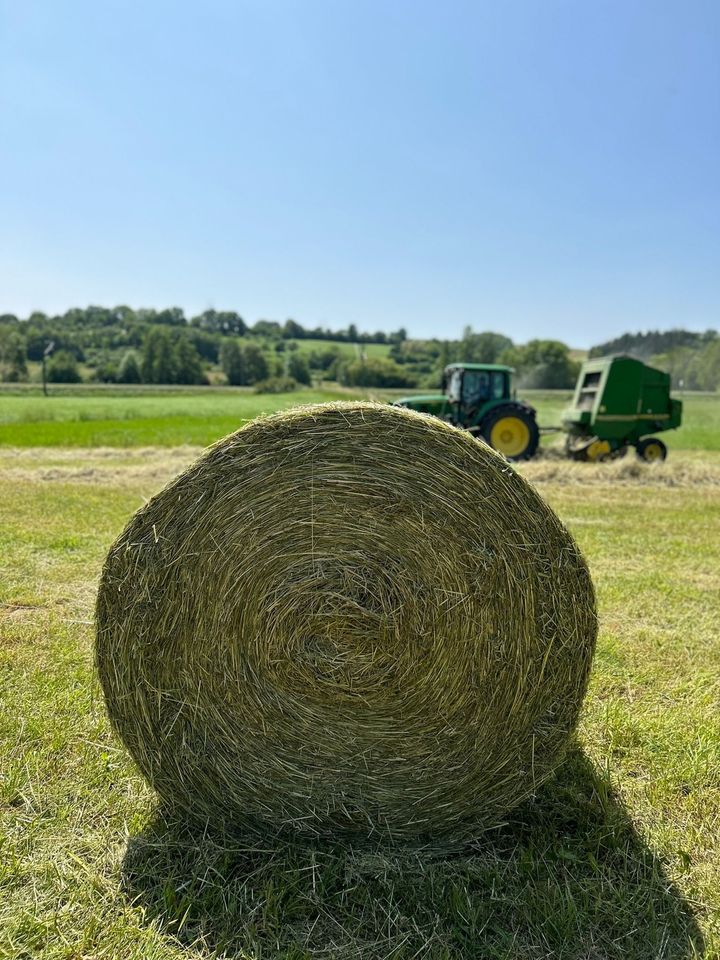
[(618, 857), (98, 417), (125, 419)]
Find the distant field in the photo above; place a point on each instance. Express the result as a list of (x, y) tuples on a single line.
[(144, 418), (102, 416), (348, 349)]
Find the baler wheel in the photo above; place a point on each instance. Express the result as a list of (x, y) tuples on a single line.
[(651, 449)]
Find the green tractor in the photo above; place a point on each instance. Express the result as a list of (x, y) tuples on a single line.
[(619, 402), (480, 397)]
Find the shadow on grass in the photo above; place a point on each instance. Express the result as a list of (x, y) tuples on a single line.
[(568, 878)]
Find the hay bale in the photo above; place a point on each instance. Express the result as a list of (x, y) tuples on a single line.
[(346, 619)]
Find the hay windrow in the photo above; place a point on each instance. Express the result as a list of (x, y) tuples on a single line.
[(629, 470), (346, 620)]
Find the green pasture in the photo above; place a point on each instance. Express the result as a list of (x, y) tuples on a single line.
[(114, 417), (146, 417), (353, 351), (617, 857)]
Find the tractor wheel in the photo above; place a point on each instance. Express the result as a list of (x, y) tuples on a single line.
[(651, 450), (513, 431)]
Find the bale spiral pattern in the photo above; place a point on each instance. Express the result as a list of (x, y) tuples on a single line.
[(347, 619)]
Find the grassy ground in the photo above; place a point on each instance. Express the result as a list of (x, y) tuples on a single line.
[(96, 417), (619, 857), (141, 418)]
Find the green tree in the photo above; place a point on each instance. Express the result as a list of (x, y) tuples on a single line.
[(188, 366), (13, 358), (106, 371), (375, 372), (692, 368), (293, 331), (298, 368), (326, 360), (232, 324), (149, 356), (206, 344), (171, 316), (709, 366), (543, 364), (158, 362), (652, 342), (267, 328), (129, 369), (232, 361), (256, 365), (63, 368), (483, 347), (226, 322), (123, 314)]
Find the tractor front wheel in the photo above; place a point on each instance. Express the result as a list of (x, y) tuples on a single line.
[(512, 431), (651, 450)]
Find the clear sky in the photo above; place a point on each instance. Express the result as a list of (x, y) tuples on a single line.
[(536, 167)]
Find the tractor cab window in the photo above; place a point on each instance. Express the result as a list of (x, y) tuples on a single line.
[(454, 386), (498, 385), (476, 387)]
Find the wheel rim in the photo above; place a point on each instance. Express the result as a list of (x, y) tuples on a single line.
[(653, 451), (510, 436), (598, 450)]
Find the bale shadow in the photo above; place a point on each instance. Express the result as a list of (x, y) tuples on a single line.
[(569, 877)]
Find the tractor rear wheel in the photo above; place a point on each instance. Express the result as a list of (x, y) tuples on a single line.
[(651, 450), (513, 431)]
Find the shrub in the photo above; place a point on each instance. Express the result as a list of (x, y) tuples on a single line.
[(298, 368), (63, 368), (375, 372), (276, 385), (129, 371)]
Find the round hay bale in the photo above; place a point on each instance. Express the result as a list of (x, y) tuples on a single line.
[(348, 620)]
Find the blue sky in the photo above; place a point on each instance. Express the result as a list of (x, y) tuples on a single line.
[(536, 167)]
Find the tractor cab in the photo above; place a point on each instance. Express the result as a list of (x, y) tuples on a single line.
[(470, 386), (480, 398)]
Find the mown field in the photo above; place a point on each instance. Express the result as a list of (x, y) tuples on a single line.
[(618, 857)]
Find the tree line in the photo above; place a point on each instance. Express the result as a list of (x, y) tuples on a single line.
[(80, 330), (123, 345), (692, 359)]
